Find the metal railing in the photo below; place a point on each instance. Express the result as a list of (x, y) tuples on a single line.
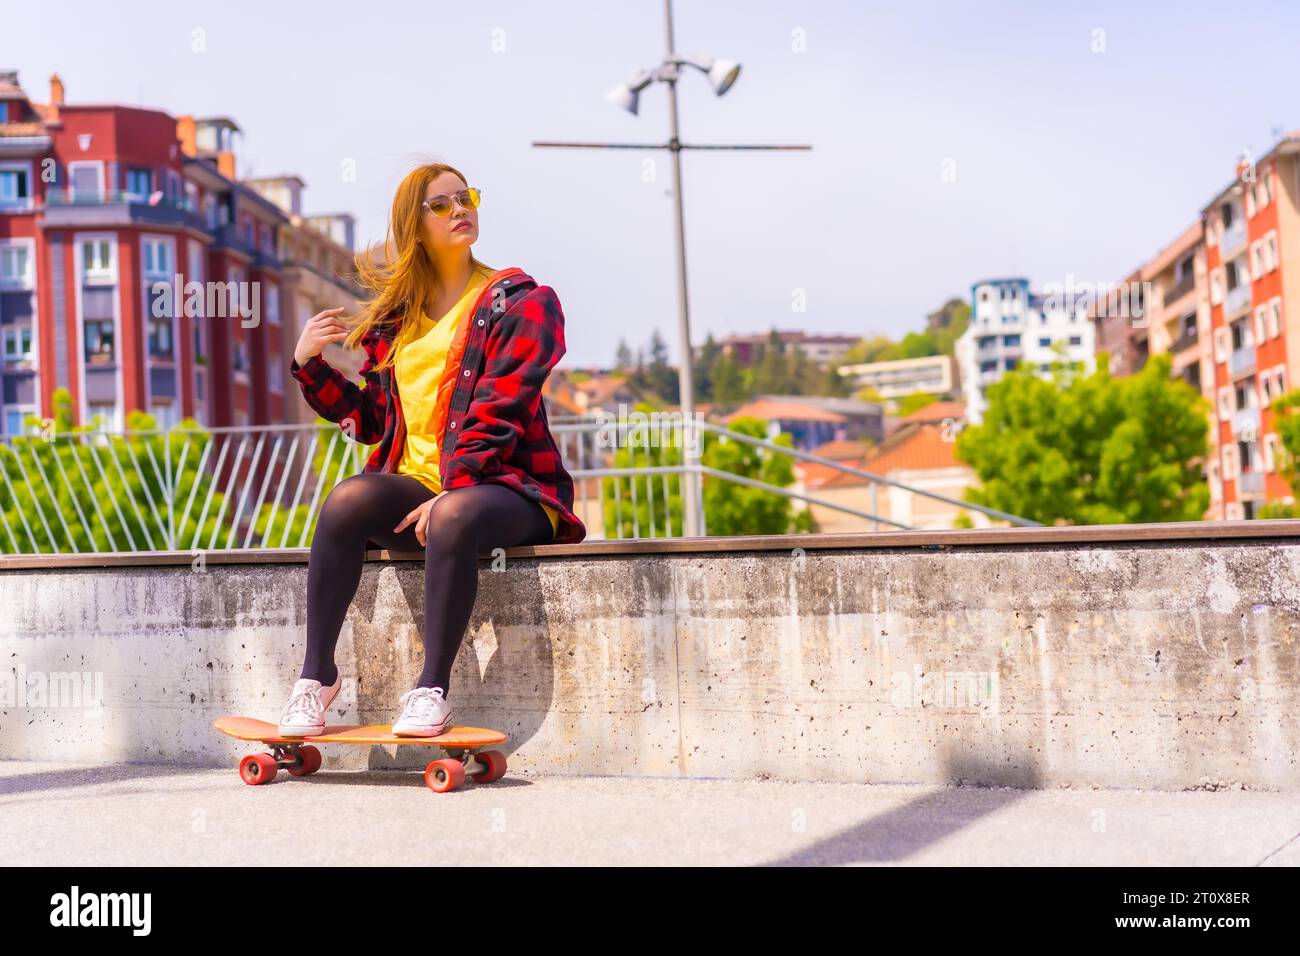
[(1180, 288), (92, 197), (192, 489)]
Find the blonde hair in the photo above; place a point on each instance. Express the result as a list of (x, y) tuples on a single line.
[(402, 284)]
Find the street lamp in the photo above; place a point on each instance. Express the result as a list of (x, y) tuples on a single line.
[(722, 75)]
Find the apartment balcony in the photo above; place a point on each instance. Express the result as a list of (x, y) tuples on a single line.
[(1180, 288), (1242, 362), (230, 236), (1245, 424), (1237, 300), (1234, 237), (96, 210), (1185, 341), (1250, 483)]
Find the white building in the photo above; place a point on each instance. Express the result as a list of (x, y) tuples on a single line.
[(899, 377), (1010, 327)]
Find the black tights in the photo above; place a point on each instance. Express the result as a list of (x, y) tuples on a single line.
[(463, 523)]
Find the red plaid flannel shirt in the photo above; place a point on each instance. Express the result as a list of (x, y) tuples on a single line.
[(496, 427)]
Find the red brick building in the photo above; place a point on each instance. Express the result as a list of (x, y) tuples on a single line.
[(137, 271)]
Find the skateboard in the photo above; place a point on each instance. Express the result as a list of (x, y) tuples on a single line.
[(463, 746)]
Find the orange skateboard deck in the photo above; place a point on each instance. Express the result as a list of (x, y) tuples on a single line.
[(463, 745)]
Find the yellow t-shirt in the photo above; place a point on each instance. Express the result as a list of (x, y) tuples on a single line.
[(419, 364)]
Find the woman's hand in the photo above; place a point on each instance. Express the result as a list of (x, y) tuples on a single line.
[(321, 329), (420, 515)]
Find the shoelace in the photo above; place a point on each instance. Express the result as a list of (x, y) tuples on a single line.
[(304, 703), (419, 703)]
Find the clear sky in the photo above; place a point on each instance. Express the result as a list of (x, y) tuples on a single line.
[(1068, 159)]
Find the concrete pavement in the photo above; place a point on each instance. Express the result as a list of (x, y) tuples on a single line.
[(94, 815)]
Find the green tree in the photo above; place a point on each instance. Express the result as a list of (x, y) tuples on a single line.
[(651, 505), (1091, 449), (917, 345), (947, 324), (729, 386), (644, 505), (915, 402), (732, 508), (335, 458), (68, 489), (1287, 424)]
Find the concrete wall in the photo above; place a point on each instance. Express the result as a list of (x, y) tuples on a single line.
[(1169, 664)]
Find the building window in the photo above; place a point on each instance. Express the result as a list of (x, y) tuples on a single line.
[(15, 186), (160, 338), (1225, 402), (1280, 372), (1275, 317), (1076, 339), (14, 416), (97, 260), (1045, 343), (276, 376), (1236, 272), (87, 179), (107, 414), (1270, 251), (16, 264), (1240, 335), (157, 258), (1221, 344), (139, 183), (1228, 451), (18, 343), (99, 341)]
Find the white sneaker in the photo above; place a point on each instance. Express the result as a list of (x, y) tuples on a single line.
[(304, 715), (425, 713)]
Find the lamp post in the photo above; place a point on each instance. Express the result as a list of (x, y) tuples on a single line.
[(722, 74)]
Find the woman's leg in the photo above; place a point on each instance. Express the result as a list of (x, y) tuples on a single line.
[(463, 523), (366, 506)]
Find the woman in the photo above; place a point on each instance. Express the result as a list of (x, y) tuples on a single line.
[(456, 355)]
